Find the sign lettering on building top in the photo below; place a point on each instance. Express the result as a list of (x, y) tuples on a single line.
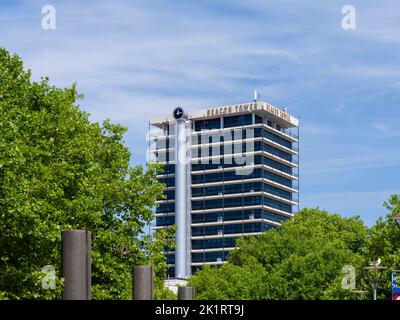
[(248, 107)]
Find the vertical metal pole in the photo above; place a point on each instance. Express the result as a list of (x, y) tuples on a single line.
[(298, 166), (181, 199), (143, 283), (76, 264), (188, 256), (186, 293)]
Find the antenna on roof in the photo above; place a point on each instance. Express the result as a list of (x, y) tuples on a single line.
[(256, 95)]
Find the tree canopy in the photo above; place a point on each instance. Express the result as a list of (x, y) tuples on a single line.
[(302, 259), (384, 243), (60, 171)]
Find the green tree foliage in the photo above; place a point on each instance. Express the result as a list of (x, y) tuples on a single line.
[(59, 171), (384, 243), (302, 259), (230, 282)]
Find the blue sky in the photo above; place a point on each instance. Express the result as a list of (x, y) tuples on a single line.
[(136, 59)]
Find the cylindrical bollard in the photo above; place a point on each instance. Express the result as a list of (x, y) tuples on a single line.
[(76, 264), (143, 283), (186, 293)]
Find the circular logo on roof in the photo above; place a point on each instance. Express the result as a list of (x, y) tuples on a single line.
[(178, 113)]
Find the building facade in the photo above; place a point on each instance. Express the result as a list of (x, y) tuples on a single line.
[(229, 172)]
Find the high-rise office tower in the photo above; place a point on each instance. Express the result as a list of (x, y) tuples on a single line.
[(229, 171)]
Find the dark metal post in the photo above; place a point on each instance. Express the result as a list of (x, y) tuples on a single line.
[(143, 283), (76, 264), (186, 293)]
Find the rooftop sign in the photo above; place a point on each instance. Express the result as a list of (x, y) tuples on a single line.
[(232, 109), (250, 107)]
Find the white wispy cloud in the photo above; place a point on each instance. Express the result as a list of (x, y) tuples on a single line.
[(369, 72), (317, 129), (138, 59), (352, 162)]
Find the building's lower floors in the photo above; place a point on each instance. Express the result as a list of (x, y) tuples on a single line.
[(214, 234)]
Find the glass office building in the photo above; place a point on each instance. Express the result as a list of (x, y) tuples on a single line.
[(238, 176)]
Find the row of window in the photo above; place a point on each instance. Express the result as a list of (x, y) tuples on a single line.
[(235, 202), (273, 164), (228, 163), (237, 215), (260, 132), (237, 121), (239, 188), (209, 151), (258, 145), (221, 136), (166, 208), (232, 176), (248, 146), (202, 257), (209, 256), (207, 124), (226, 216), (258, 159), (213, 243), (230, 229), (228, 122)]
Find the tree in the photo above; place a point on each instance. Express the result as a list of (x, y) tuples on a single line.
[(384, 243), (229, 282), (59, 171), (302, 259)]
